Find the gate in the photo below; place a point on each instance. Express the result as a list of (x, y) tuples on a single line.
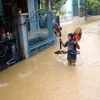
[(40, 31)]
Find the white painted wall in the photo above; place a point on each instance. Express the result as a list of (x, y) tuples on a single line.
[(67, 7), (67, 17)]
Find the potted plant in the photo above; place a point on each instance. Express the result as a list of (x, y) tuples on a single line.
[(19, 10)]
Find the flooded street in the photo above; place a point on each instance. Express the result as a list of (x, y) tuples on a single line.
[(47, 76)]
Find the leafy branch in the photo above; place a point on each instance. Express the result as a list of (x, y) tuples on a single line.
[(92, 3), (56, 4)]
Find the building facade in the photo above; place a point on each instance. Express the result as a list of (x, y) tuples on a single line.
[(37, 33), (73, 7), (33, 22)]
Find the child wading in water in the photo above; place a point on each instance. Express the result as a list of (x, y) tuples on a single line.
[(72, 47)]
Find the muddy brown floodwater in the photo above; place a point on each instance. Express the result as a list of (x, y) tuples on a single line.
[(46, 76)]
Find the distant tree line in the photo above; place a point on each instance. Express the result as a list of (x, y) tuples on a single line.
[(92, 3), (92, 7)]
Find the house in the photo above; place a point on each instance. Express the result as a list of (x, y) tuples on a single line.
[(33, 22), (37, 32), (74, 7), (71, 9)]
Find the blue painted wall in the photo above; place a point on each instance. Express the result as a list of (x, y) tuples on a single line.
[(31, 7)]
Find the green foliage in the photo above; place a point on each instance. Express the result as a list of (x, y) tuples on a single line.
[(56, 4), (92, 3), (43, 4), (62, 13), (70, 12)]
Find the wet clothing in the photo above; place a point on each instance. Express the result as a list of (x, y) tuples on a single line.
[(71, 51)]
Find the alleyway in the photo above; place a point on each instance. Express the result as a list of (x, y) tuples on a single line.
[(46, 76)]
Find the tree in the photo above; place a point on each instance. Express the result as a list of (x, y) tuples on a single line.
[(92, 3), (56, 4)]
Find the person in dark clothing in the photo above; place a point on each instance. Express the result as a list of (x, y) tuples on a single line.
[(72, 49)]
